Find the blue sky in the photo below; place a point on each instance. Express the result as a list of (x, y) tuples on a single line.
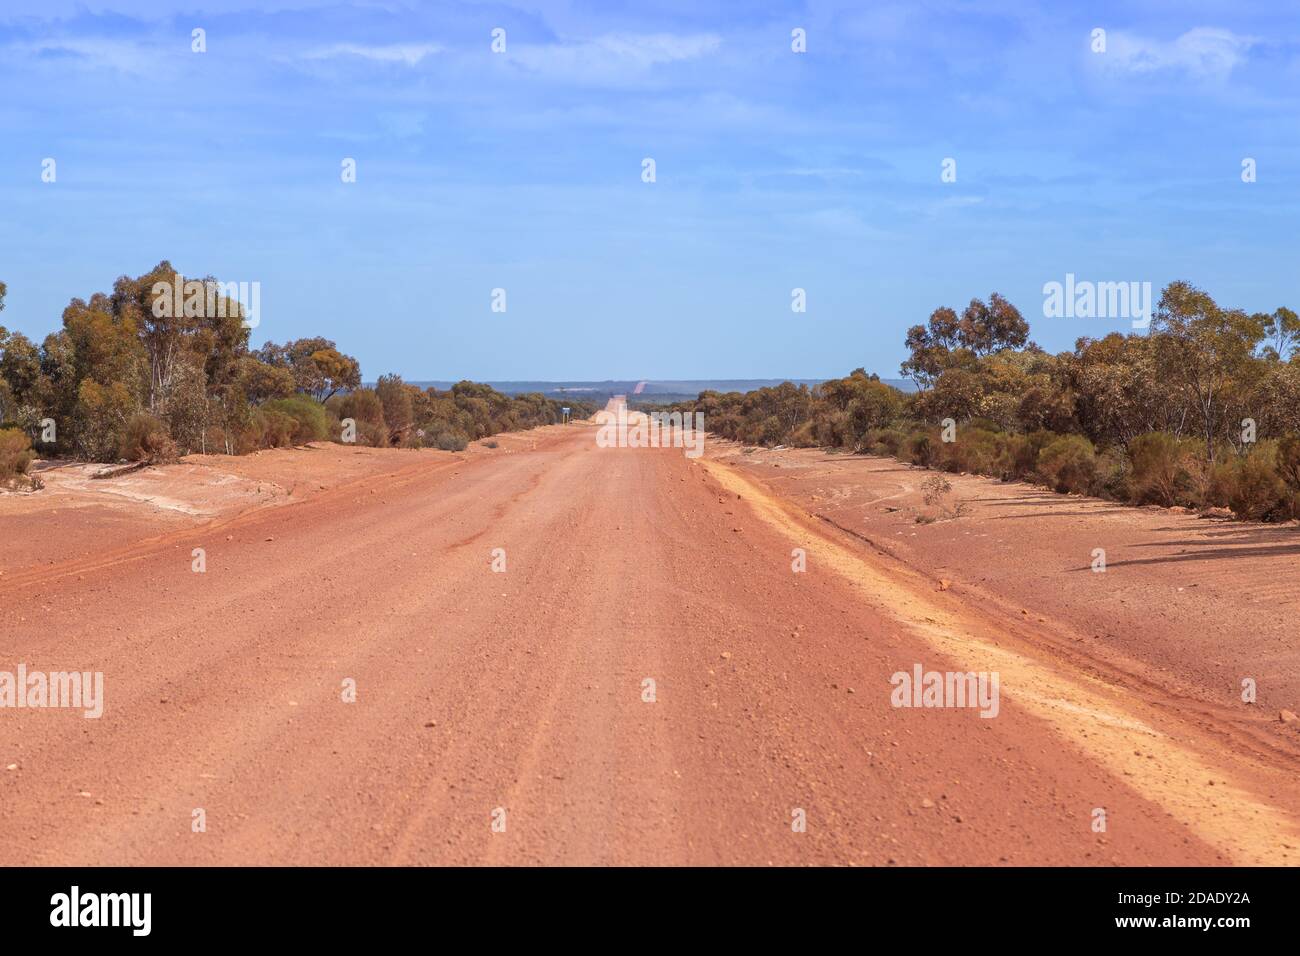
[(522, 170)]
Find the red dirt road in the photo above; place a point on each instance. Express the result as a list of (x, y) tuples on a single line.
[(524, 691)]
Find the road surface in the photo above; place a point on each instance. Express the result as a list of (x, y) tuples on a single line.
[(648, 681)]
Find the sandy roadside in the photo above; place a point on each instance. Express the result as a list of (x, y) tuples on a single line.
[(78, 516), (1191, 607)]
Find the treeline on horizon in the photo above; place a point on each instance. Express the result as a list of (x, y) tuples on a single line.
[(120, 382), (1202, 411)]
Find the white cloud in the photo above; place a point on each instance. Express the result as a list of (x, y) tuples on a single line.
[(613, 56), (409, 53), (1205, 52)]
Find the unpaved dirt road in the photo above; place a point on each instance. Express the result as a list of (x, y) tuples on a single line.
[(522, 697)]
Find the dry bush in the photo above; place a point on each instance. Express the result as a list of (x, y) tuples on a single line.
[(16, 453), (1113, 475), (919, 449), (1288, 461), (804, 436), (1159, 475), (364, 407), (1018, 458), (146, 439), (276, 429), (934, 488), (935, 492), (1255, 491)]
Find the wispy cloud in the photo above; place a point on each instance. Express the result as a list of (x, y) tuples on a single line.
[(1203, 53), (614, 56), (408, 53)]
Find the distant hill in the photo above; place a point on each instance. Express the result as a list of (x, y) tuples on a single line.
[(660, 390)]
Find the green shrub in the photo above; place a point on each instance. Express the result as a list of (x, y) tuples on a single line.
[(311, 420), (1068, 464), (983, 424), (888, 441), (451, 441), (101, 415), (975, 451)]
